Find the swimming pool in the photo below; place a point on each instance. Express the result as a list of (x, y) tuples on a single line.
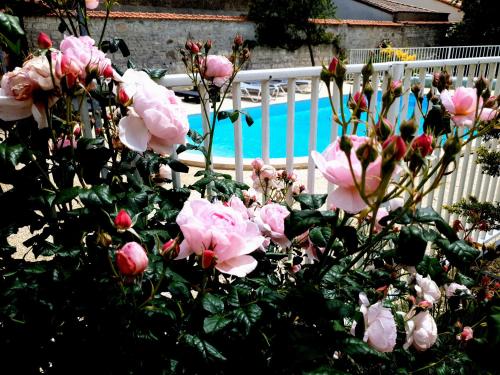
[(252, 135)]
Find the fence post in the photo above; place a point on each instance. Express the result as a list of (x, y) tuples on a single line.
[(396, 74)]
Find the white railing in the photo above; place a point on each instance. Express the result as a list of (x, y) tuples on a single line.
[(466, 178), (361, 55)]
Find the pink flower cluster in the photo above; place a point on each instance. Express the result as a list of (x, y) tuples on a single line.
[(156, 120), (76, 59)]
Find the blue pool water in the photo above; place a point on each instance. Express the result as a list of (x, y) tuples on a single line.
[(252, 135)]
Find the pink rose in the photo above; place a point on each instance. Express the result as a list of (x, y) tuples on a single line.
[(271, 221), (257, 164), (18, 84), (217, 68), (91, 4), (221, 229), (421, 331), (83, 52), (466, 335), (156, 121), (427, 289), (380, 327), (131, 259), (334, 166), (165, 171), (451, 290), (461, 106)]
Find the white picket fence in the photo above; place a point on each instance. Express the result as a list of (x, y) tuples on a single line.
[(466, 178), (361, 55)]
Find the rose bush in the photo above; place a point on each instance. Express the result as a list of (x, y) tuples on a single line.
[(127, 272)]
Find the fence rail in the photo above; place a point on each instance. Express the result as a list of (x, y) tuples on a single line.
[(466, 178), (361, 55)]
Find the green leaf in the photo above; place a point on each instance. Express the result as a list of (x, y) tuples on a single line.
[(156, 73), (222, 115), (205, 349), (311, 201), (11, 154), (349, 236), (248, 119), (213, 304), (178, 166), (67, 195), (358, 349), (99, 196), (460, 254), (301, 220), (494, 326), (195, 136), (411, 245), (464, 280), (430, 266), (248, 316), (320, 236), (234, 116), (426, 215), (215, 323)]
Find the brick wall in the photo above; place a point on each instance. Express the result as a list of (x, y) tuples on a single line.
[(156, 42)]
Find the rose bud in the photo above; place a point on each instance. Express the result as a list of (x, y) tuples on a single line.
[(367, 70), (384, 129), (397, 88), (423, 145), (257, 164), (490, 102), (359, 100), (346, 144), (366, 153), (407, 129), (268, 172), (44, 41), (332, 68), (108, 72), (466, 335), (481, 85), (458, 226), (131, 259), (416, 89), (397, 145), (77, 130), (208, 259), (195, 49), (171, 248), (208, 45), (123, 98), (238, 40), (123, 221)]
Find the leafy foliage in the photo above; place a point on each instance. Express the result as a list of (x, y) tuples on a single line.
[(287, 24)]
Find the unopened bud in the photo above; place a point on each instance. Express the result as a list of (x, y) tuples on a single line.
[(44, 41), (395, 146), (345, 144), (208, 45), (490, 102), (367, 70), (332, 68), (325, 76), (238, 40), (481, 85), (122, 221), (366, 153), (416, 89), (208, 259), (452, 147), (384, 129), (171, 248), (407, 129), (368, 91), (423, 145), (397, 88)]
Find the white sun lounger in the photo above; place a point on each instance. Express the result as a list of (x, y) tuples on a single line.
[(253, 90)]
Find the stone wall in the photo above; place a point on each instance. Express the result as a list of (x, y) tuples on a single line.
[(155, 43)]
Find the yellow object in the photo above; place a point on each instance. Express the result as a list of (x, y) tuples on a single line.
[(398, 53)]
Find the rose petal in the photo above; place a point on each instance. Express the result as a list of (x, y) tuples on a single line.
[(133, 133)]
